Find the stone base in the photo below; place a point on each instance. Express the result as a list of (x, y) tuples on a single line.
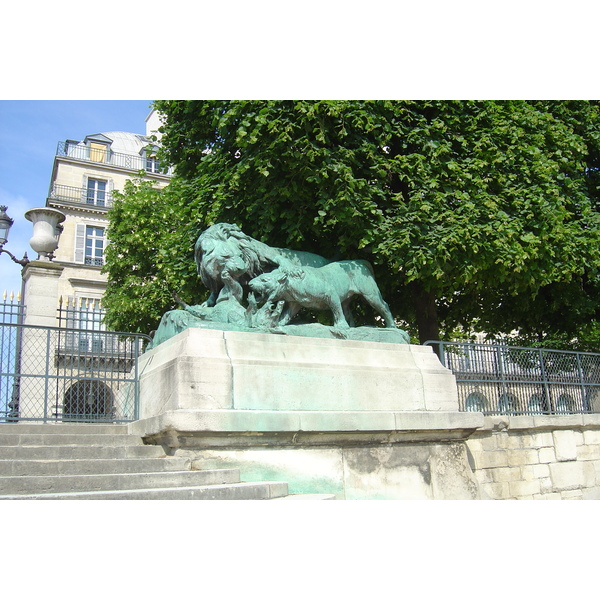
[(206, 369), (354, 455), (390, 472), (351, 418)]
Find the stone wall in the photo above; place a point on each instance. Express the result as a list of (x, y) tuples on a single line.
[(537, 457)]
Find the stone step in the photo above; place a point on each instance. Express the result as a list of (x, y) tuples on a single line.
[(41, 484), (71, 428), (69, 439), (75, 461), (55, 452), (307, 497), (92, 466), (265, 490)]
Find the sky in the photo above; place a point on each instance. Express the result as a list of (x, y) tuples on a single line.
[(29, 134)]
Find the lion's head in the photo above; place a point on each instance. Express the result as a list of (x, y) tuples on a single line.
[(225, 257)]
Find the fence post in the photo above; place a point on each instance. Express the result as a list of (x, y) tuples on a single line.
[(549, 403), (500, 365), (584, 402), (47, 376)]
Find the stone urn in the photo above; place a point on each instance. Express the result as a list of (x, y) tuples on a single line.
[(46, 231)]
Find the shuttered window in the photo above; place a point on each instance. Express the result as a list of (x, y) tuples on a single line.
[(89, 244), (79, 243)]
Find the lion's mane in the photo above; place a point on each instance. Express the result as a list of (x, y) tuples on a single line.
[(224, 243)]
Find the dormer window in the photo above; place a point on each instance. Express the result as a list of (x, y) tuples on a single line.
[(152, 164), (98, 152), (99, 147)]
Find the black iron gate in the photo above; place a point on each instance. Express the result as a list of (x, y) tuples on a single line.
[(68, 374)]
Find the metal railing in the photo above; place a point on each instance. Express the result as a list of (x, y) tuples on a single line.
[(11, 313), (134, 162), (75, 195), (11, 308), (68, 374), (500, 379)]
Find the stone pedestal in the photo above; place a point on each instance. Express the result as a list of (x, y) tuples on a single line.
[(207, 369), (358, 419), (40, 286), (40, 280)]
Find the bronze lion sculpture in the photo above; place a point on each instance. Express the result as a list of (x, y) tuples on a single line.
[(330, 287), (227, 259)]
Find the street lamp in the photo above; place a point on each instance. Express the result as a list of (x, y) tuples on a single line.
[(5, 224)]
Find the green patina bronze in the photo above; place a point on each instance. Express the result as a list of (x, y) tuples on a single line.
[(255, 287)]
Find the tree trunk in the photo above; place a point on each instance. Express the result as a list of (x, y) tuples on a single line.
[(427, 318)]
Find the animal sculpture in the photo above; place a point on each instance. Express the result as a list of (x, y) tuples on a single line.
[(227, 259), (330, 287)]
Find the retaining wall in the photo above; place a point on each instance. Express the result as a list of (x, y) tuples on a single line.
[(537, 457)]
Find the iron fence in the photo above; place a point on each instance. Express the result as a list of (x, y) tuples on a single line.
[(500, 379), (68, 374), (12, 313), (11, 308)]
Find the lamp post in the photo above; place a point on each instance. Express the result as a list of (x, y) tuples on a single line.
[(12, 415), (5, 224)]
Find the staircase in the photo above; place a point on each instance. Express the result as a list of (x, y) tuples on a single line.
[(104, 462)]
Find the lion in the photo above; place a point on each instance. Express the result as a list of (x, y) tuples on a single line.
[(330, 287), (227, 259)]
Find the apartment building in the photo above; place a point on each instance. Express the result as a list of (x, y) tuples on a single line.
[(79, 372), (85, 175)]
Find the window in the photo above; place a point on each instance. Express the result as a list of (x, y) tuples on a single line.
[(476, 402), (98, 152), (537, 404), (90, 241), (508, 404), (152, 164), (96, 192), (83, 314), (565, 404), (94, 245)]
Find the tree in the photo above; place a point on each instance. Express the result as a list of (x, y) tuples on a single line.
[(469, 211), (152, 234)]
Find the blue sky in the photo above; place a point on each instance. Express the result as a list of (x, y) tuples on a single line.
[(29, 133)]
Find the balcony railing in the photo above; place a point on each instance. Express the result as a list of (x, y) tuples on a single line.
[(134, 162), (66, 193)]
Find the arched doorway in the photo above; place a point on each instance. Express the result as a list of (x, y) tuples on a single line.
[(88, 400)]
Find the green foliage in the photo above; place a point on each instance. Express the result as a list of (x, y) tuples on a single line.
[(477, 211), (152, 234)]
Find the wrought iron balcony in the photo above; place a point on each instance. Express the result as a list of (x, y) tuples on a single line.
[(133, 162), (75, 195)]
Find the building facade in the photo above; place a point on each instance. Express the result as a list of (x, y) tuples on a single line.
[(85, 373), (84, 177)]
